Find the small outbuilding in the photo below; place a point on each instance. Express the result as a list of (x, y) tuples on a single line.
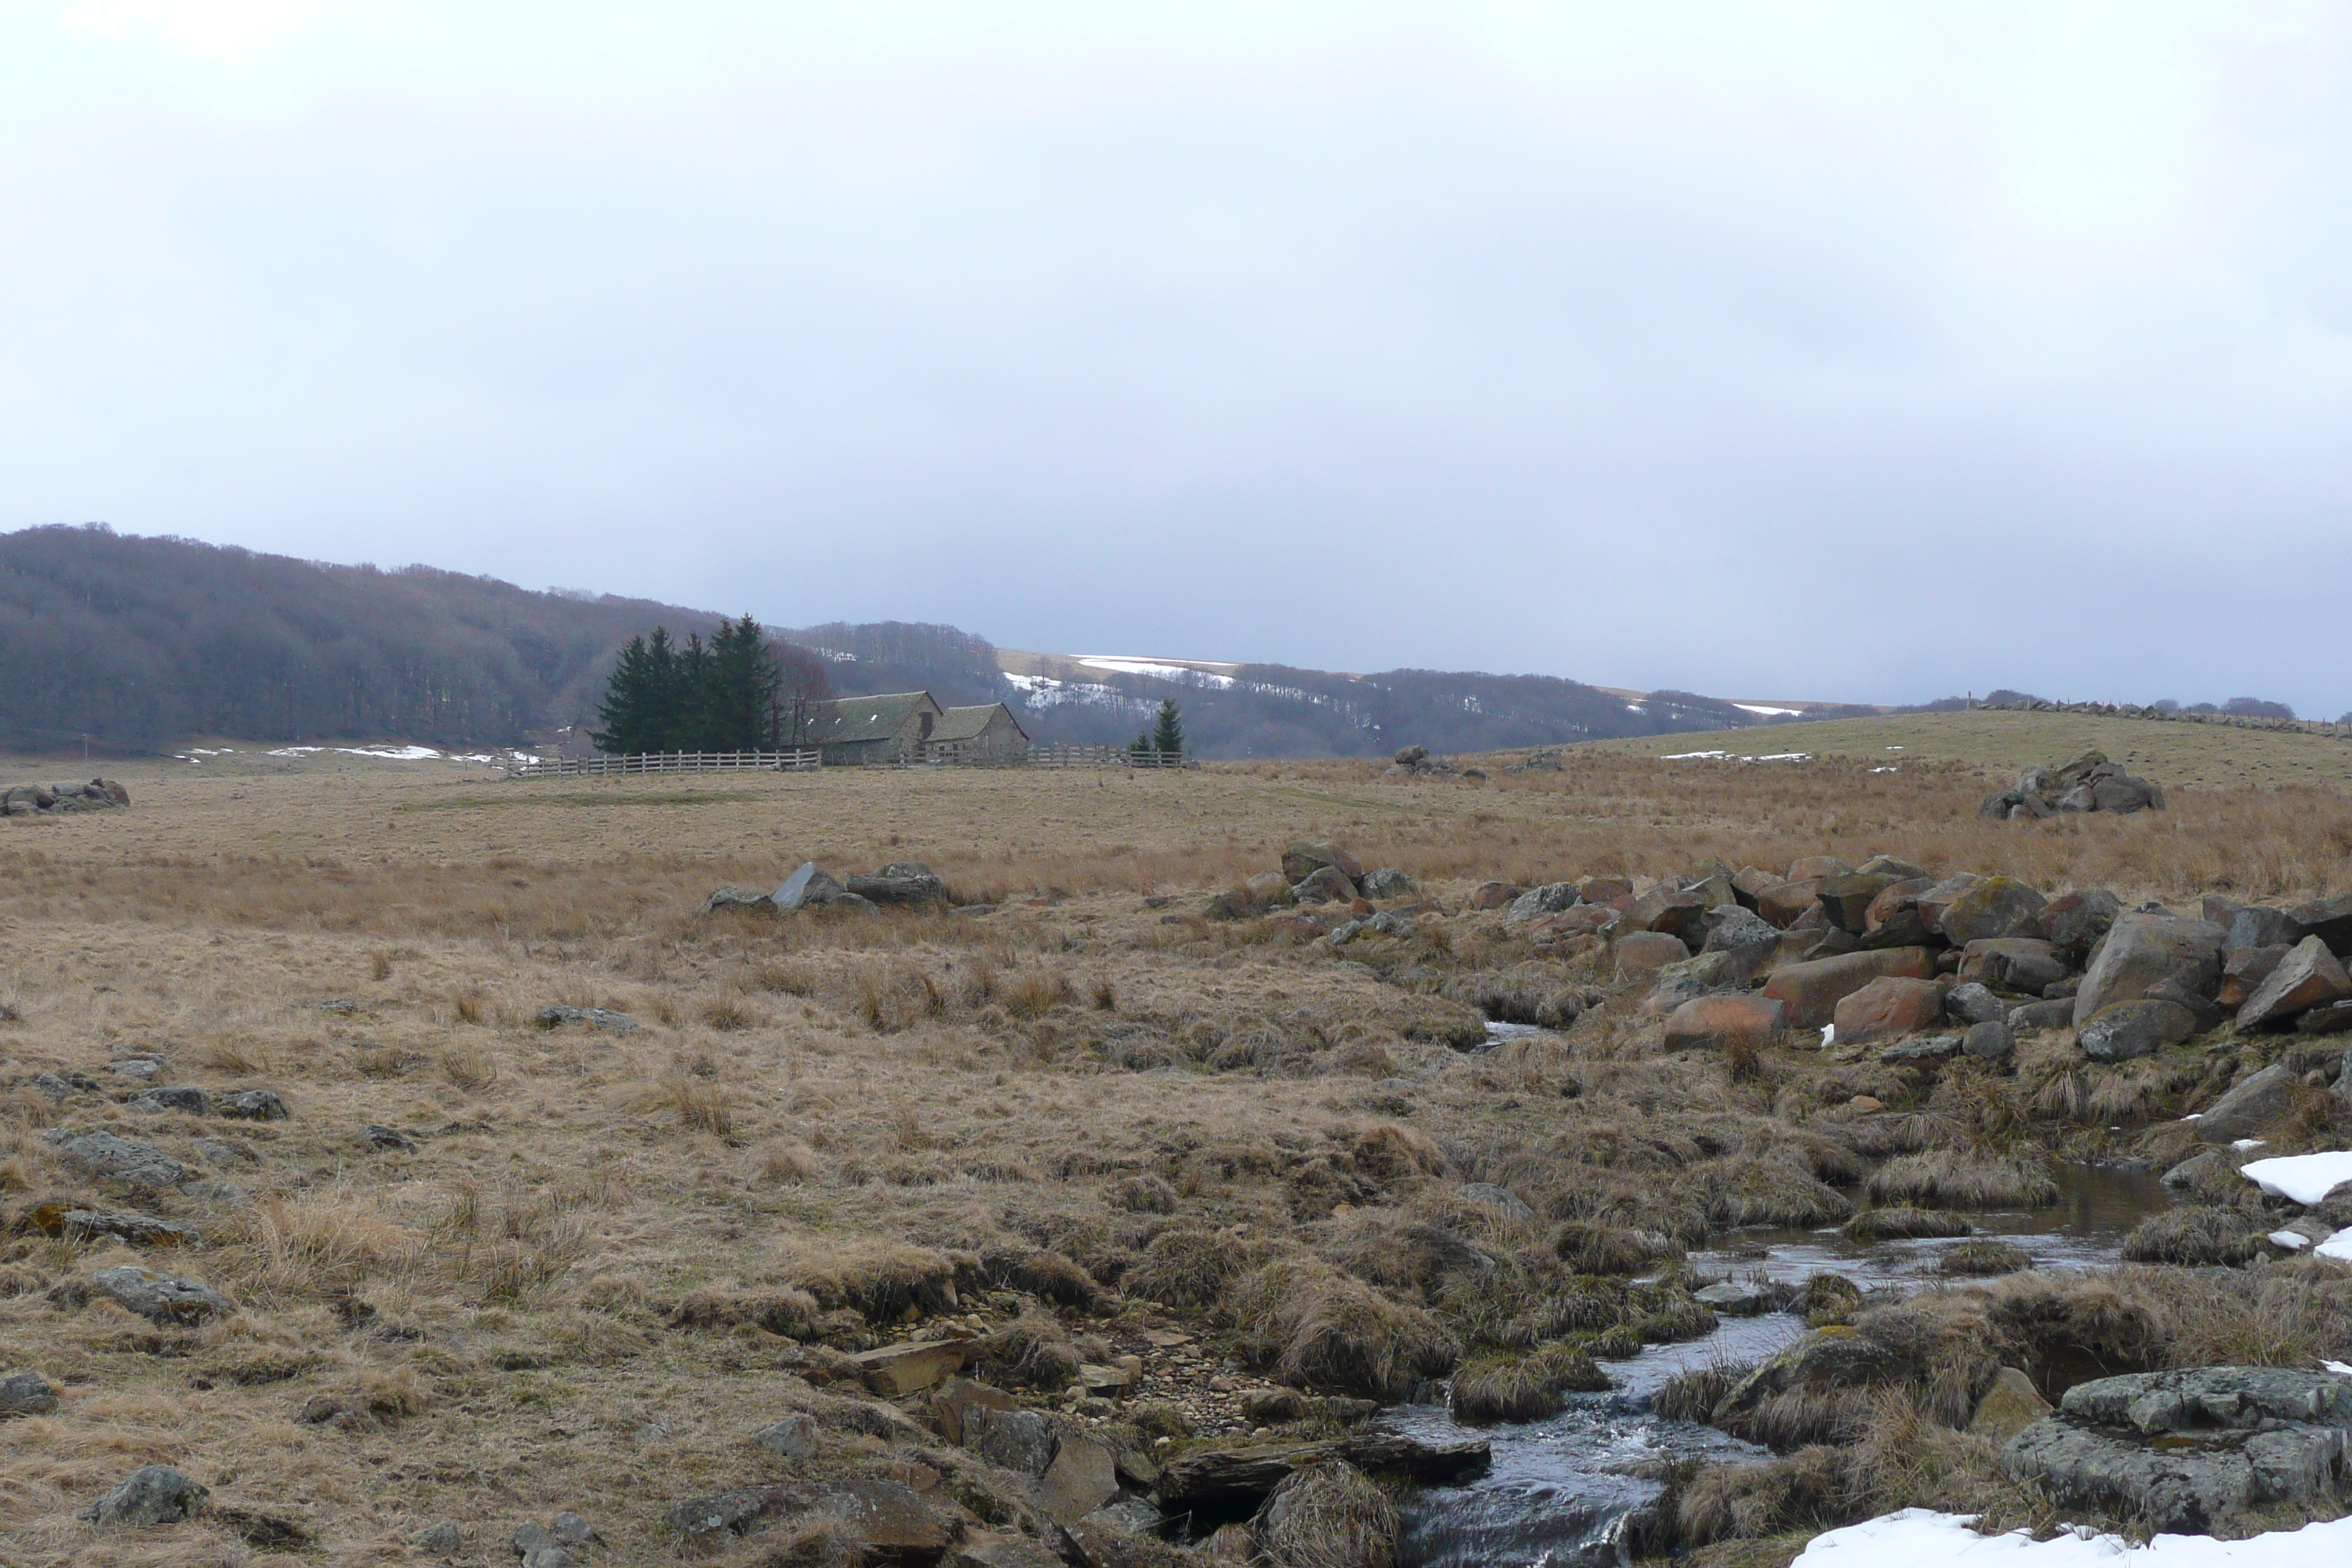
[(984, 732)]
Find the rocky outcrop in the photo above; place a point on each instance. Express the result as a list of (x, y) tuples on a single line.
[(2089, 783), (2192, 1451), (59, 799), (2145, 947)]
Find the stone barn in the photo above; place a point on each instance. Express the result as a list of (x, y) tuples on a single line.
[(885, 729), (986, 732)]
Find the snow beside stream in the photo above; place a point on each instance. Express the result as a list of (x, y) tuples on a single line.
[(1920, 1538)]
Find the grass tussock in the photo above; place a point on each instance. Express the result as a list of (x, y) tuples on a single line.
[(1328, 1516), (1590, 1249), (1948, 1179), (1982, 1257), (1318, 1327), (2195, 1234), (1521, 1387), (1902, 1223)]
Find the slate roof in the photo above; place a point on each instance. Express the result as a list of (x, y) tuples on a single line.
[(844, 720), (966, 723)]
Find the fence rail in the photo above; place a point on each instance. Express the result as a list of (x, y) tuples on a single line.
[(802, 760), (810, 758)]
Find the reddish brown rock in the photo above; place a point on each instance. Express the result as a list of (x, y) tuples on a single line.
[(1996, 907), (1640, 954), (1941, 896), (1784, 903), (1750, 881), (1813, 868), (1670, 909), (1812, 989), (2242, 970), (1604, 891), (1893, 919), (1886, 1008), (1494, 895), (1725, 1023)]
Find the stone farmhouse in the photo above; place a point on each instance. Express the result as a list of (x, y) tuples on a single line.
[(910, 726)]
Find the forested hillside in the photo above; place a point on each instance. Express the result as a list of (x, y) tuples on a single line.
[(135, 641)]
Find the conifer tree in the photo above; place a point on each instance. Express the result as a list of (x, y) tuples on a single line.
[(1167, 734), (625, 712)]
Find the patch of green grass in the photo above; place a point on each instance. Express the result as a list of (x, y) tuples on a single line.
[(2006, 742)]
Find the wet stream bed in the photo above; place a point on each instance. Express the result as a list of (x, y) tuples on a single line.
[(1563, 1492)]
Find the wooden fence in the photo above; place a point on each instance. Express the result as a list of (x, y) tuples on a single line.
[(801, 760), (808, 759)]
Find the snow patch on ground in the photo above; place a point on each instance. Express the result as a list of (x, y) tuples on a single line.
[(2294, 1241), (1167, 670), (1768, 713), (1920, 1538), (1728, 756), (2305, 1179), (2338, 1247)]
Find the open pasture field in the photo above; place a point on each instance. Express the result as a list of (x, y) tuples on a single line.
[(2214, 756), (485, 1270)]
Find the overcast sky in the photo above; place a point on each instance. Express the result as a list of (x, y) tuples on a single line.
[(1869, 352)]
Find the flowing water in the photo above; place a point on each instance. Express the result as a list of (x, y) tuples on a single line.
[(1562, 1493)]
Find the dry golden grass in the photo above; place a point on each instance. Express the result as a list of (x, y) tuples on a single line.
[(607, 1258)]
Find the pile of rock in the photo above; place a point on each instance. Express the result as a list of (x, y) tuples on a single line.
[(906, 884), (57, 799), (1414, 763), (1318, 875), (2089, 783), (1931, 967)]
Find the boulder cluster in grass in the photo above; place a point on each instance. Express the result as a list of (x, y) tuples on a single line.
[(901, 884), (58, 799), (2089, 783), (1321, 875)]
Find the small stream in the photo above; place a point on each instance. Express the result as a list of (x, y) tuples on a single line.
[(1561, 1493)]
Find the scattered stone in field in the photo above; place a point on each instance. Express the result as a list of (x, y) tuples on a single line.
[(953, 1400), (1642, 953), (708, 1522), (380, 1136), (2033, 1016), (2329, 920), (1988, 1041), (1549, 899), (2192, 1451), (734, 898), (2249, 1107), (2144, 947), (602, 1018), (1736, 1298), (1995, 908), (1385, 882), (442, 1540), (894, 1371), (124, 1224), (1731, 929), (538, 1547), (1926, 1048), (1494, 895), (1323, 885), (2009, 1407), (184, 1099), (1302, 858), (127, 1159), (253, 1105), (904, 883), (228, 1194), (807, 889), (2132, 1029), (2309, 976), (59, 1086), (222, 1152), (1082, 1477), (140, 1067), (2013, 964), (154, 1494), (1973, 1003), (2332, 1019), (1749, 1022), (794, 1438), (572, 1531), (160, 1298), (344, 1005), (1019, 1440), (27, 1394), (1887, 1008), (1813, 988)]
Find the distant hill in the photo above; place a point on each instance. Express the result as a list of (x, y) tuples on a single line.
[(133, 642), (136, 642)]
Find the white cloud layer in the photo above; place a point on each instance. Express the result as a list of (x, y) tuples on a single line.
[(1826, 350)]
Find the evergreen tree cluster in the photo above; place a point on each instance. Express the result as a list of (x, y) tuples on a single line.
[(739, 692)]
